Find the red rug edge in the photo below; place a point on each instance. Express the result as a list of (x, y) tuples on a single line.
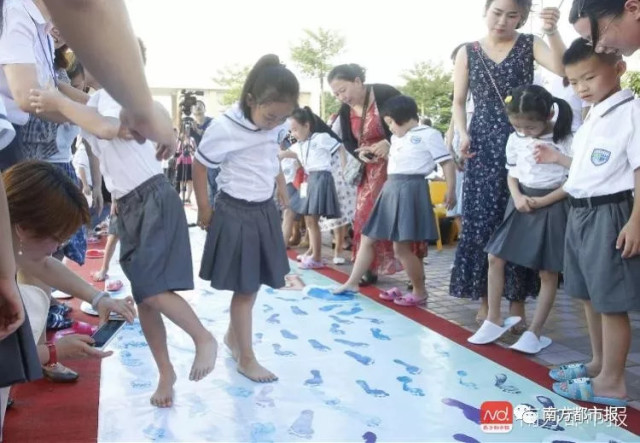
[(509, 359)]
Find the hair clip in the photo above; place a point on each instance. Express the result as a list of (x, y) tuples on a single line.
[(508, 99)]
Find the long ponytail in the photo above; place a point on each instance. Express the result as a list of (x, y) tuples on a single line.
[(564, 123)]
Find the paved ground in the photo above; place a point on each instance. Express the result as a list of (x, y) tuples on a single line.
[(566, 325)]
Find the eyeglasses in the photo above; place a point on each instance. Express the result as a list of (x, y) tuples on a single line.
[(601, 33)]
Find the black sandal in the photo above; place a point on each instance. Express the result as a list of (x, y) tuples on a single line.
[(368, 279)]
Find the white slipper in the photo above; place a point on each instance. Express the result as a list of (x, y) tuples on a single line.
[(59, 295), (530, 344), (88, 309), (490, 332)]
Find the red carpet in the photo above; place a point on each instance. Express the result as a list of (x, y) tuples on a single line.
[(49, 412), (56, 412), (509, 359)]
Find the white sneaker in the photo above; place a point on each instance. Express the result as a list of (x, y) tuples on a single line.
[(339, 261)]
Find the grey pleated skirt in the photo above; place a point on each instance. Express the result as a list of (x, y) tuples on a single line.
[(294, 198), (534, 240), (322, 198), (403, 211), (244, 247)]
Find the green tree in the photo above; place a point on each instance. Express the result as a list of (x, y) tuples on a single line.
[(331, 104), (232, 78), (431, 88), (313, 56), (631, 80)]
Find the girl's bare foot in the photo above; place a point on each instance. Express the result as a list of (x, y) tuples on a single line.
[(230, 342), (205, 361), (255, 371), (163, 397), (345, 288), (100, 275)]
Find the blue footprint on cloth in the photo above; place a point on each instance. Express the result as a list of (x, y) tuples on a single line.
[(232, 390), (267, 308), (288, 335), (352, 311), (353, 344), (329, 308), (156, 433), (316, 380), (263, 399), (274, 319), (411, 369), (318, 346), (362, 359), (377, 333), (278, 349), (437, 347), (369, 437), (340, 320), (466, 384), (470, 413), (303, 426), (375, 321), (288, 299), (336, 404), (262, 432), (501, 379), (141, 384), (297, 311), (197, 406), (258, 338), (547, 423), (327, 295), (405, 380), (369, 390), (465, 438), (335, 329)]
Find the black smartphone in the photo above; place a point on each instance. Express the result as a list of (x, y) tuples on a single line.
[(106, 333), (370, 155)]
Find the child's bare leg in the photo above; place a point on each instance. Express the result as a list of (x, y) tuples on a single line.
[(315, 241), (546, 297), (239, 337), (413, 266), (364, 258), (495, 289), (338, 239), (616, 338), (180, 312), (594, 323), (287, 222), (156, 335), (189, 189), (109, 250)]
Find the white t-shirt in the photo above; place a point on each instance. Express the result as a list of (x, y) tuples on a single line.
[(24, 40), (315, 153), (523, 166), (125, 164), (81, 161), (417, 152), (289, 168), (246, 155), (606, 148)]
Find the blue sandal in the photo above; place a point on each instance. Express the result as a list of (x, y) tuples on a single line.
[(581, 389), (568, 372), (60, 308), (56, 322)]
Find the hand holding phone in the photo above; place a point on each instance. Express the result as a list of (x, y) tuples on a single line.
[(106, 332)]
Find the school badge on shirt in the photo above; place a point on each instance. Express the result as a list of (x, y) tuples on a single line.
[(416, 139), (600, 156)]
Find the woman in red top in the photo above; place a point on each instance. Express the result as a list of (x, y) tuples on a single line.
[(186, 149), (370, 145)]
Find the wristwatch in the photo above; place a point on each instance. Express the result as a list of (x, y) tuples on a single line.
[(97, 298), (53, 355)]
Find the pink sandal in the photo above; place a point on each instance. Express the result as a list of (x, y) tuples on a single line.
[(390, 295), (310, 263), (410, 300), (114, 285)]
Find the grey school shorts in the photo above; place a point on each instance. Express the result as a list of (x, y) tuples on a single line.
[(155, 253), (593, 268)]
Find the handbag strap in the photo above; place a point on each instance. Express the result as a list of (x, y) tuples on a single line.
[(477, 48), (363, 120)]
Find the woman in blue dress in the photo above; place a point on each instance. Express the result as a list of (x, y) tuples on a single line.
[(489, 69)]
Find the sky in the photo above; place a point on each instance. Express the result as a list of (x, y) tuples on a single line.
[(188, 41)]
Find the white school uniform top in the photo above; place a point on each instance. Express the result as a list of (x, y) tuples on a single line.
[(246, 155), (315, 153), (289, 168), (523, 166), (417, 152), (125, 164), (606, 148), (81, 161), (24, 40)]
